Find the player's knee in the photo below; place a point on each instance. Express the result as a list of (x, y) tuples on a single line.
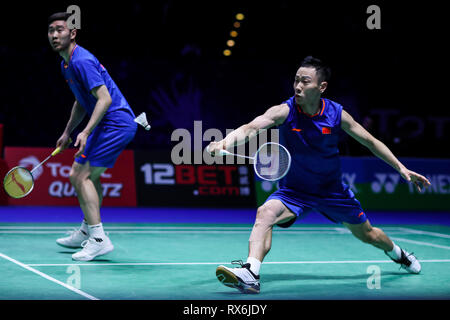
[(265, 216), (73, 177), (265, 219), (369, 237), (76, 178)]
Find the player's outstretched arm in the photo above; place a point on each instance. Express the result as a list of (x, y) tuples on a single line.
[(274, 116), (378, 148)]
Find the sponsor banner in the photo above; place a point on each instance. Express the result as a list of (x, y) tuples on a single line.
[(1, 140), (3, 171), (162, 183), (379, 187), (52, 186)]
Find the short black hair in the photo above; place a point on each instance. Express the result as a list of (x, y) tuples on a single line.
[(58, 16), (322, 69)]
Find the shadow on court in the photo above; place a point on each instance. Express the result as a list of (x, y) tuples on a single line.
[(290, 277), (75, 262)]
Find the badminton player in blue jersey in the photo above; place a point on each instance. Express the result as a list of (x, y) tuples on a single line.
[(109, 130), (309, 126)]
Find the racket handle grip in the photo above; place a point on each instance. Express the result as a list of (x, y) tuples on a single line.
[(58, 150), (224, 152), (221, 152)]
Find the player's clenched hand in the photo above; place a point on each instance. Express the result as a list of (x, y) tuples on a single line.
[(81, 142), (63, 142), (418, 180), (214, 147)]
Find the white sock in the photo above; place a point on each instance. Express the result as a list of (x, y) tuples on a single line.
[(255, 265), (96, 231), (396, 253), (84, 227)]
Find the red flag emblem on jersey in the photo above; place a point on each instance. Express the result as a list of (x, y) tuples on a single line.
[(326, 130)]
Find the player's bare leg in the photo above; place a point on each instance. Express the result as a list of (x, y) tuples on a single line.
[(76, 237), (371, 235), (99, 189), (246, 278), (376, 237), (268, 215), (86, 181)]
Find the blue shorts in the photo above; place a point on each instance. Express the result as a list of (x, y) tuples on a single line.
[(340, 207), (105, 144)]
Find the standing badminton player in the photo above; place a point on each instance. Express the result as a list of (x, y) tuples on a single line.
[(109, 130), (309, 126)]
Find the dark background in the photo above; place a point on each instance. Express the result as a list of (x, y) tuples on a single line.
[(166, 57)]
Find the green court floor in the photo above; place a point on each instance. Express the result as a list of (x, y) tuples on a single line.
[(178, 262)]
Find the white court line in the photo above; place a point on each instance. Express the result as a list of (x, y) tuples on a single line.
[(278, 232), (158, 228), (218, 263), (180, 228), (428, 233), (84, 294), (422, 243), (184, 229), (232, 230), (189, 232), (155, 229)]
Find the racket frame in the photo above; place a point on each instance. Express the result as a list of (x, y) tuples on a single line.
[(228, 153), (8, 174), (54, 153), (285, 171)]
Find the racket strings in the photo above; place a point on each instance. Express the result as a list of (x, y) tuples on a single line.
[(272, 161), (18, 182)]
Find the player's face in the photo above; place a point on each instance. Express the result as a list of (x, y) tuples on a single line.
[(59, 35), (307, 85)]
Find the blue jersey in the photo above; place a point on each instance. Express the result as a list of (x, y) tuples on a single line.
[(313, 144), (83, 73)]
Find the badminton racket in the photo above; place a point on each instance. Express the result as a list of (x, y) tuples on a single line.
[(19, 181), (271, 161)]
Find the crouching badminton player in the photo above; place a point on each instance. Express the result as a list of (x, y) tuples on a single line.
[(309, 126), (109, 130)]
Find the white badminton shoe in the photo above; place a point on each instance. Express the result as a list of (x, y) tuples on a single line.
[(408, 262), (93, 247), (74, 240), (241, 278)]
